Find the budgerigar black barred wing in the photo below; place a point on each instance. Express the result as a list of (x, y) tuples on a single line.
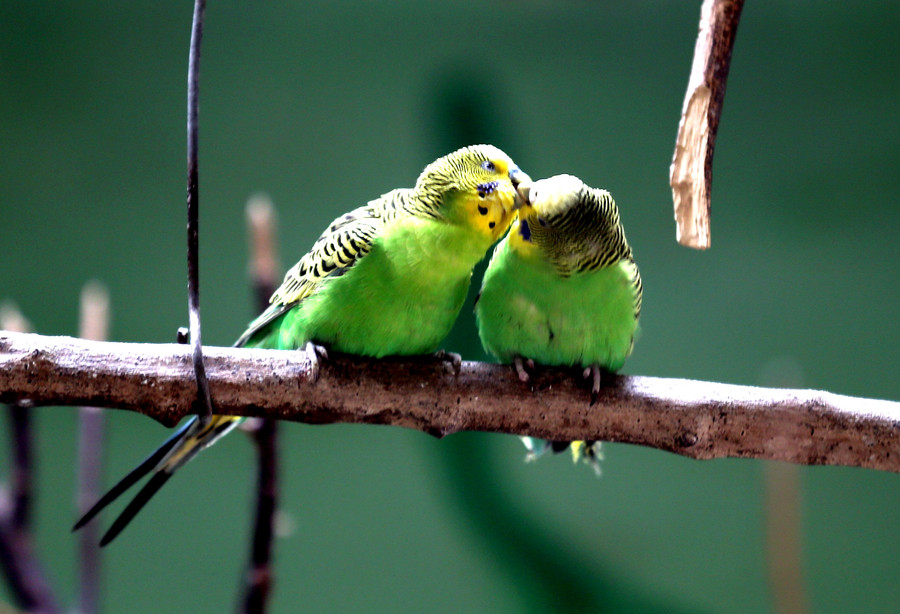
[(638, 289), (586, 237), (590, 237), (610, 246), (344, 243)]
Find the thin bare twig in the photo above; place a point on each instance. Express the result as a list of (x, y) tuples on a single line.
[(259, 579), (26, 579), (261, 224), (20, 426), (193, 206), (691, 170), (94, 325), (783, 514), (696, 419), (783, 539)]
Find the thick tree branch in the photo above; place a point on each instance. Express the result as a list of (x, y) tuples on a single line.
[(691, 170), (696, 419)]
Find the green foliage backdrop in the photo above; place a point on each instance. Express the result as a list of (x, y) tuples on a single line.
[(325, 105)]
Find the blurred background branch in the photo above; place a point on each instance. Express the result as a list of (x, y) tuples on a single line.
[(261, 223), (94, 325), (696, 419), (19, 562)]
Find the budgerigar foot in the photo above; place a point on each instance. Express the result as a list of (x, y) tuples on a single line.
[(589, 452), (524, 369), (595, 372), (536, 448), (316, 353), (250, 425), (453, 358)]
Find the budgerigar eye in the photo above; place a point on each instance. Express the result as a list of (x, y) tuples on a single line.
[(542, 222), (488, 166)]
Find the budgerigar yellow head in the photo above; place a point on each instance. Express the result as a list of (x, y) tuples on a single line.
[(474, 186)]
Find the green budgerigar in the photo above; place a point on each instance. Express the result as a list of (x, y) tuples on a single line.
[(562, 289), (388, 278)]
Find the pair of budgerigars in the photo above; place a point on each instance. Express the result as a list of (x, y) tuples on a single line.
[(389, 278)]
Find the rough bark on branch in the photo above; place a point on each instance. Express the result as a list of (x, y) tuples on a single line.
[(696, 419)]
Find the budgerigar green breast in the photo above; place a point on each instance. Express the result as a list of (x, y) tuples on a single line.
[(563, 288)]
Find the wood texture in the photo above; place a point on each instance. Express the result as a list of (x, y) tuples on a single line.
[(691, 170), (696, 419)]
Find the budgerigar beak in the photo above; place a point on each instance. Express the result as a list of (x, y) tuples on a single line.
[(523, 190), (520, 179), (517, 176)]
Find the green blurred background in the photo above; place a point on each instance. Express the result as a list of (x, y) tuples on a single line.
[(326, 105)]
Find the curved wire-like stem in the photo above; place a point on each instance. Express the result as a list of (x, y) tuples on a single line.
[(193, 206)]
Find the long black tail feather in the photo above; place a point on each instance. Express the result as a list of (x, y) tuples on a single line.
[(134, 506), (148, 465)]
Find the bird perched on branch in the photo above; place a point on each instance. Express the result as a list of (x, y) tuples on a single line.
[(562, 289), (388, 278)]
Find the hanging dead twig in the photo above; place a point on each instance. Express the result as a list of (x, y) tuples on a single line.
[(691, 170)]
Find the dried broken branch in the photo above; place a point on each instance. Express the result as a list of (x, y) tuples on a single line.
[(696, 419), (691, 170)]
